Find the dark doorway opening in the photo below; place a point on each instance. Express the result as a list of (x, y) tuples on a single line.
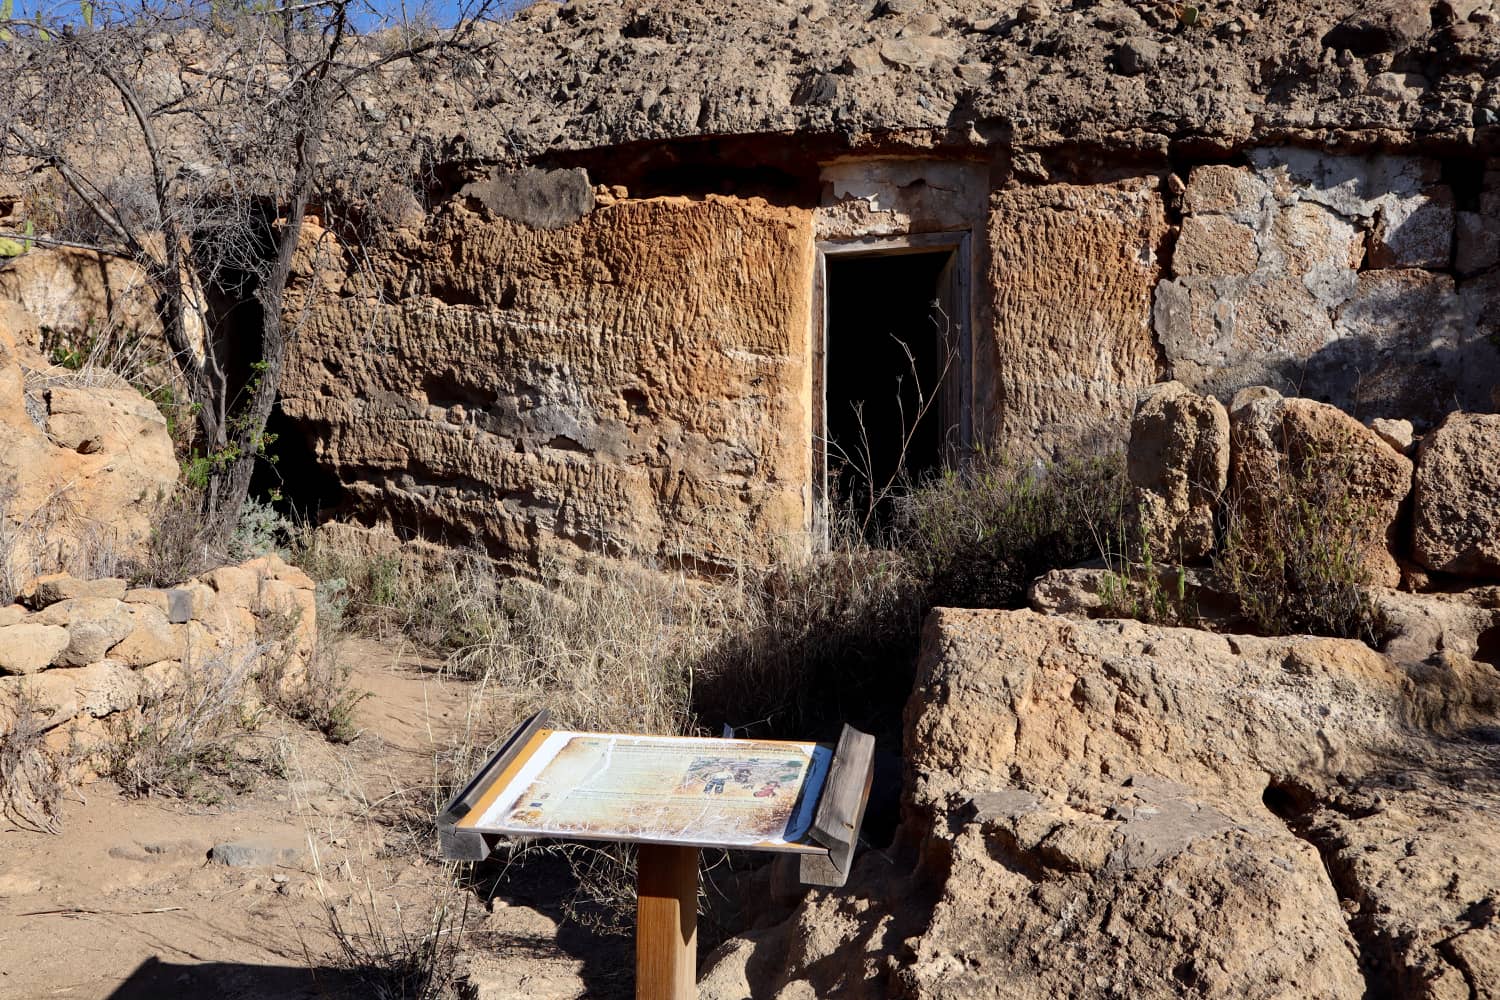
[(890, 347)]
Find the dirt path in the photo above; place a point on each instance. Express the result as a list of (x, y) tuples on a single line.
[(125, 902)]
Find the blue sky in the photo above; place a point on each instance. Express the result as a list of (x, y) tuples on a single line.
[(443, 11)]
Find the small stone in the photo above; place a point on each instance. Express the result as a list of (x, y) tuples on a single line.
[(98, 690), (922, 24), (1137, 55), (975, 73), (151, 640), (1398, 87), (863, 61), (258, 852), (239, 586), (1457, 511), (27, 648), (907, 52), (94, 626), (1396, 433), (48, 590), (179, 606), (1033, 11), (1119, 19)]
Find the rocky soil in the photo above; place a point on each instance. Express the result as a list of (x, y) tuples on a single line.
[(1133, 75), (1102, 809), (142, 898)]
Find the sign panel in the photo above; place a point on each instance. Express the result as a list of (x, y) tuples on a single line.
[(756, 794)]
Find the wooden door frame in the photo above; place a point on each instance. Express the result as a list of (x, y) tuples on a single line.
[(959, 381)]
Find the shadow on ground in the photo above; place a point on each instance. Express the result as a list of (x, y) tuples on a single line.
[(154, 979), (544, 881)]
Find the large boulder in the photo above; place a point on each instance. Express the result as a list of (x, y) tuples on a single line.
[(1178, 466), (1346, 476), (86, 463), (79, 294), (1457, 507), (1104, 809)]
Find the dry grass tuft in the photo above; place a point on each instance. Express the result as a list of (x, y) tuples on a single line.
[(392, 953), (188, 741), (979, 537), (32, 777)]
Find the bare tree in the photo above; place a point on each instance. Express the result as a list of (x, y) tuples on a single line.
[(194, 136)]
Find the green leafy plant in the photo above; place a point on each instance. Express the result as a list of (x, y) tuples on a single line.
[(1135, 584)]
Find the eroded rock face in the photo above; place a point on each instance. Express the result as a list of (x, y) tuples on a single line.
[(1178, 465), (1069, 288), (1457, 508), (1284, 444), (593, 75), (1098, 809), (80, 295), (632, 383), (84, 468)]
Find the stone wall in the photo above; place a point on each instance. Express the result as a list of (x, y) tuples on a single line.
[(554, 371), (81, 651), (631, 383), (1363, 281)]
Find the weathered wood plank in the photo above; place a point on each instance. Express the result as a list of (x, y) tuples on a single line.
[(841, 810)]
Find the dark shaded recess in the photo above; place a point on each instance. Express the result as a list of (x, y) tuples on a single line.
[(234, 313), (874, 391), (747, 166), (1465, 176), (1488, 650), (305, 485)]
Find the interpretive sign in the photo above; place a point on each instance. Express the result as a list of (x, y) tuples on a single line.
[(671, 795), (659, 789)]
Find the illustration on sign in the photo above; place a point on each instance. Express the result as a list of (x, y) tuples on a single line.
[(667, 789)]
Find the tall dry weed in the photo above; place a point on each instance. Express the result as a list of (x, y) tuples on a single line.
[(33, 777), (188, 740)]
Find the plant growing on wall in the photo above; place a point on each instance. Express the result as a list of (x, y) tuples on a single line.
[(195, 137)]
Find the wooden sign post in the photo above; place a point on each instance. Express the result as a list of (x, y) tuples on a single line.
[(666, 922), (671, 796)]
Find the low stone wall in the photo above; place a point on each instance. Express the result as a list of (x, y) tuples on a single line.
[(1189, 456), (81, 651)]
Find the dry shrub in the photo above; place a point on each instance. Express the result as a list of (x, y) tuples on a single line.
[(811, 644), (978, 537), (183, 542), (442, 603), (188, 742), (32, 777), (391, 953), (612, 650), (1294, 559), (319, 695), (54, 537)]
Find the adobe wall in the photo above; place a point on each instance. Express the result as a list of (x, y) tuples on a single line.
[(632, 377)]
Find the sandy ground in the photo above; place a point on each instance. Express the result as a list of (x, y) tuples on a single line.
[(125, 902)]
